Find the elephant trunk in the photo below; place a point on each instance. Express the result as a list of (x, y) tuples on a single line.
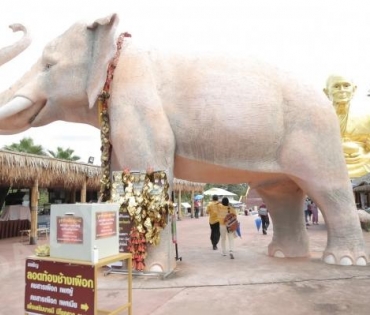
[(9, 52)]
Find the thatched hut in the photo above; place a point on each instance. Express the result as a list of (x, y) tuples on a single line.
[(27, 171), (183, 185), (22, 169), (361, 189), (66, 181), (180, 186)]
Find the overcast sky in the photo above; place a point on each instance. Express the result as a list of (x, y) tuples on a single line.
[(311, 38)]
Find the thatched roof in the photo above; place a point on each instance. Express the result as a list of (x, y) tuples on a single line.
[(20, 170), (183, 185), (361, 180), (361, 184), (362, 187)]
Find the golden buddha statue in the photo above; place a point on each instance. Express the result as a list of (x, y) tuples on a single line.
[(354, 121)]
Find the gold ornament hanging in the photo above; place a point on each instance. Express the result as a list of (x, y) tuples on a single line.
[(146, 200)]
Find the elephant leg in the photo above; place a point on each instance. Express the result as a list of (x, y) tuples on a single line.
[(324, 178), (345, 245), (284, 200)]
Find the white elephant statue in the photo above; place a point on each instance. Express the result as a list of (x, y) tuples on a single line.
[(203, 119)]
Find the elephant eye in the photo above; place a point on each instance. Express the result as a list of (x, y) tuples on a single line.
[(48, 66)]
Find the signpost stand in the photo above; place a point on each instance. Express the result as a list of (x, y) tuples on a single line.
[(64, 286)]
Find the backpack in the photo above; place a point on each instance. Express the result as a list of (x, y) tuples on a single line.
[(262, 211), (231, 222)]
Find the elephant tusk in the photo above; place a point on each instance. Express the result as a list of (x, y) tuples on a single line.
[(14, 106)]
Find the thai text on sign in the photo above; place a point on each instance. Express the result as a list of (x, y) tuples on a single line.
[(70, 230), (106, 224), (59, 288)]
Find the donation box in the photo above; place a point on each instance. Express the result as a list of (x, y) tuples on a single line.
[(84, 231)]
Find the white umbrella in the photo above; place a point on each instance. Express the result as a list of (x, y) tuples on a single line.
[(235, 203), (218, 192)]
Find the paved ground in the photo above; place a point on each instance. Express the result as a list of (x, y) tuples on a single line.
[(205, 282)]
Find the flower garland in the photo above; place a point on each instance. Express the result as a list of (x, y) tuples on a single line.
[(138, 249), (106, 146)]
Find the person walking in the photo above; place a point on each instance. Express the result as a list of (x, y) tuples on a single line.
[(223, 209), (263, 213), (307, 211), (315, 213), (212, 211), (197, 208)]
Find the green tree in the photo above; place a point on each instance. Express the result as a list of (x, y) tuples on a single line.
[(64, 154), (26, 145)]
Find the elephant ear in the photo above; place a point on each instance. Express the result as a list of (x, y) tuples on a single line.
[(103, 49)]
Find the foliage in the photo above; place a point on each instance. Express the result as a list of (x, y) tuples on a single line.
[(64, 154), (26, 145), (44, 196)]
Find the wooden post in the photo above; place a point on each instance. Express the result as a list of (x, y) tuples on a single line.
[(34, 210), (179, 205), (83, 191), (192, 204), (73, 195)]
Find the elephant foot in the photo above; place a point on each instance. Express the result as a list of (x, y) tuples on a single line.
[(346, 248), (278, 254), (345, 258), (289, 249)]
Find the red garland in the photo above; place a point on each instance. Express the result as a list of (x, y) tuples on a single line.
[(137, 247), (113, 64)]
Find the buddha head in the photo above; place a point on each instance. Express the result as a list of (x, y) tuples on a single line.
[(339, 89)]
